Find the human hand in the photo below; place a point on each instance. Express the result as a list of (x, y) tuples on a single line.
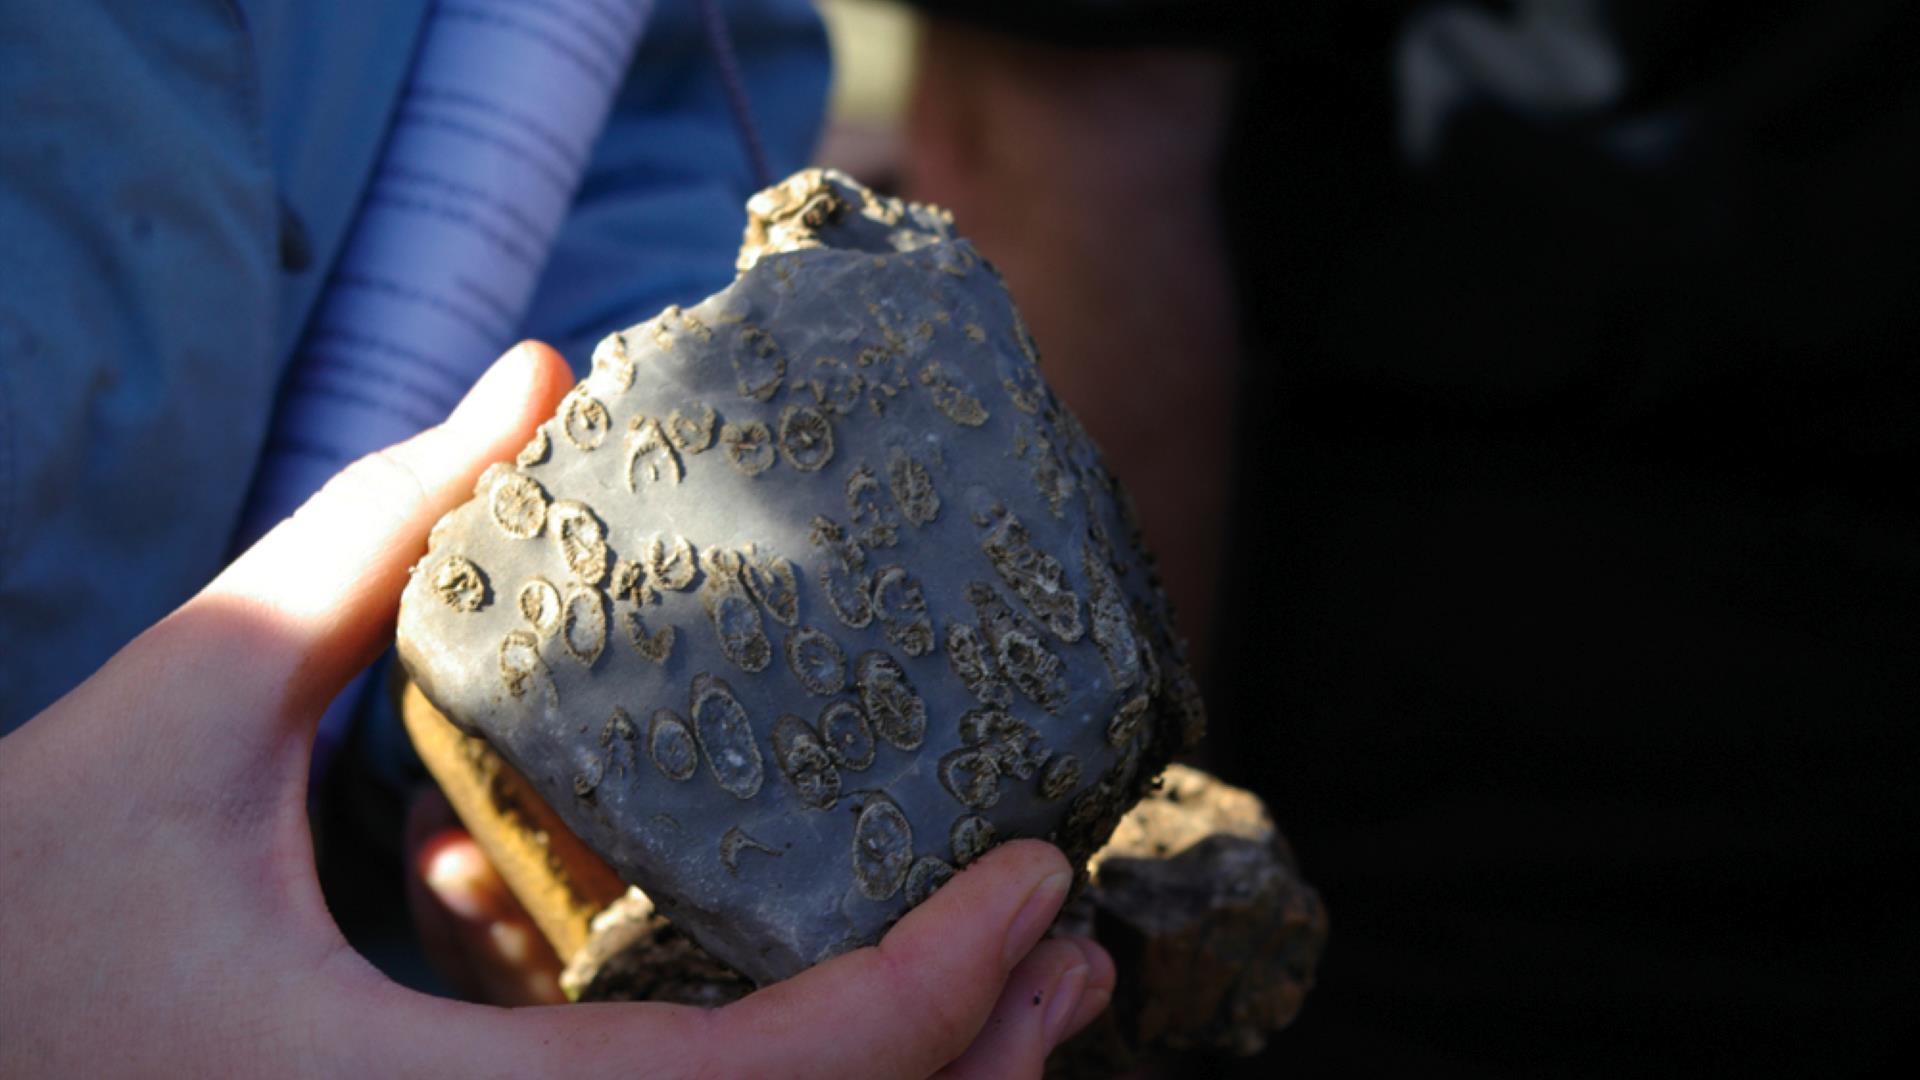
[(159, 911)]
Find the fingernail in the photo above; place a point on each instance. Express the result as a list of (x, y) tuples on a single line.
[(1035, 916), (499, 390), (513, 942), (452, 876), (1064, 1001)]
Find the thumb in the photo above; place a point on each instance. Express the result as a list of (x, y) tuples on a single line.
[(225, 690), (314, 599), (917, 1000)]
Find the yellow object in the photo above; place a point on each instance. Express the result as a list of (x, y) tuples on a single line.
[(561, 883)]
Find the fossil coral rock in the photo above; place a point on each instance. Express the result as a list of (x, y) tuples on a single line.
[(1216, 937), (809, 593)]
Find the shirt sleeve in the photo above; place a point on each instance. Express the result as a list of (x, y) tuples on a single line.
[(660, 212), (138, 258)]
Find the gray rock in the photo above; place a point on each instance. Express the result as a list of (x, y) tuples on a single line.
[(810, 593)]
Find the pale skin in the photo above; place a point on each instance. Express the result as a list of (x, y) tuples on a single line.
[(159, 911)]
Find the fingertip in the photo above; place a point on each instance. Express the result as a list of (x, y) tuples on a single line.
[(1101, 972), (1097, 994), (527, 378), (1035, 858), (1003, 877), (946, 962), (1013, 893), (552, 375), (1047, 876), (1045, 1001), (459, 876)]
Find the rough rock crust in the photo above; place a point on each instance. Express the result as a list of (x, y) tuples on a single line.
[(799, 579)]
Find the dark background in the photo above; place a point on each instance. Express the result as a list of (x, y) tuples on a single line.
[(1568, 622)]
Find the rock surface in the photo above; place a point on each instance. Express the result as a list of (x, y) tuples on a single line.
[(809, 593), (1215, 935)]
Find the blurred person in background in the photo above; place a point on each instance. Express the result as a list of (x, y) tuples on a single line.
[(1521, 399)]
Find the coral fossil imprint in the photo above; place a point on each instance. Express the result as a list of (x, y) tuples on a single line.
[(810, 594)]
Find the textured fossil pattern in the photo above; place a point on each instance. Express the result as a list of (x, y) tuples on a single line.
[(809, 594)]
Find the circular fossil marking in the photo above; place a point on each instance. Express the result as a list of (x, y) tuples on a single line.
[(521, 666), (735, 841), (925, 878), (1014, 746), (518, 504), (872, 523), (628, 581), (1033, 665), (584, 783), (1126, 721), (847, 735), (691, 427), (460, 583), (618, 726), (1021, 380), (882, 849), (536, 449), (654, 646), (758, 365), (971, 777), (1089, 807), (614, 363), (671, 567), (650, 455), (726, 738), (848, 592), (1109, 621), (582, 539), (540, 604), (1017, 651), (804, 760), (584, 421), (836, 388), (912, 488), (953, 395), (583, 627), (902, 610), (670, 744), (1050, 477), (817, 661), (970, 838), (748, 446), (896, 711), (772, 582), (1035, 576), (737, 622), (970, 660), (1061, 776), (616, 739), (806, 438)]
